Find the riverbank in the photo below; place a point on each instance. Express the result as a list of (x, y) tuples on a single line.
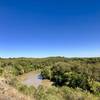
[(8, 92)]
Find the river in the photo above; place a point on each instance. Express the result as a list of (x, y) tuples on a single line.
[(34, 79)]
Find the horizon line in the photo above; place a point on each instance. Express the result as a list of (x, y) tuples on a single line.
[(53, 57)]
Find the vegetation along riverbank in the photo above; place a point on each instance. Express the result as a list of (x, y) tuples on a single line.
[(53, 78)]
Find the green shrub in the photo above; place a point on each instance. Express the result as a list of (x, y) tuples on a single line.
[(95, 87)]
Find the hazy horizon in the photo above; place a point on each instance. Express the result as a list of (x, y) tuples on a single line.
[(51, 56)]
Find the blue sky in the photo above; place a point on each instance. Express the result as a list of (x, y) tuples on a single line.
[(41, 28)]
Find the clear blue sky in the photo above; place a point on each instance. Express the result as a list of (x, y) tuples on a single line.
[(40, 28)]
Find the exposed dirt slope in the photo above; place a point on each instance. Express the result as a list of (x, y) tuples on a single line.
[(9, 93)]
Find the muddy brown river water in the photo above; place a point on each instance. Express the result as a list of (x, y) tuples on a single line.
[(34, 79), (31, 79)]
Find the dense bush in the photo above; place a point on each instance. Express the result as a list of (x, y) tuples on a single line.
[(75, 74), (63, 93), (68, 74)]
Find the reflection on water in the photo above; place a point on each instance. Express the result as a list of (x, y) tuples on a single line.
[(34, 80)]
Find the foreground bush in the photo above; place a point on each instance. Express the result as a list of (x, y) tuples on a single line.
[(63, 93), (22, 88)]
